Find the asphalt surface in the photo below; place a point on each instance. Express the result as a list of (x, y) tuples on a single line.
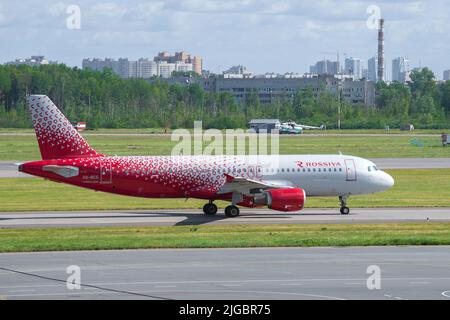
[(196, 217), (8, 169), (250, 273)]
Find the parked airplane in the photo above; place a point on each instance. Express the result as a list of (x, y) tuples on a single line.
[(68, 158)]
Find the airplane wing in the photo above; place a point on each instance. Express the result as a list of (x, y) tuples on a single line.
[(246, 186)]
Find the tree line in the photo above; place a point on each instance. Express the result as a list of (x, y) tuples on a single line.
[(104, 100)]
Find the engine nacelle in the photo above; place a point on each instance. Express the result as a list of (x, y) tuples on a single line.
[(289, 199)]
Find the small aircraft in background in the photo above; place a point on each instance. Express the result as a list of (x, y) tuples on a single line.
[(291, 127)]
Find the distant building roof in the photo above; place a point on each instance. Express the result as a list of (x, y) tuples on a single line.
[(253, 121)]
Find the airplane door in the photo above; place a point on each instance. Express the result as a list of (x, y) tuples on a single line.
[(350, 169), (105, 171)]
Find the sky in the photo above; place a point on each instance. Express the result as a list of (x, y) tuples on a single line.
[(263, 35)]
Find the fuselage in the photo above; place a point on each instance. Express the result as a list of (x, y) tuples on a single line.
[(203, 176)]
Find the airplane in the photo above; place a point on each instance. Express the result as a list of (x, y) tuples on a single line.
[(301, 127), (68, 158)]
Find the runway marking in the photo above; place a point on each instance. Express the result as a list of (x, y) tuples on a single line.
[(397, 298), (84, 285), (290, 284), (59, 294), (420, 282), (231, 285), (23, 290), (227, 281)]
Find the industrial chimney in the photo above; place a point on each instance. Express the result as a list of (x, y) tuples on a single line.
[(381, 50)]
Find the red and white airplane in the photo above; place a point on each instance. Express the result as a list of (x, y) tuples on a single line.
[(68, 158)]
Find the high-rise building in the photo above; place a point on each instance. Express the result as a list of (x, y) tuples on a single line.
[(446, 75), (372, 67), (325, 67), (400, 69), (142, 68), (197, 64), (146, 68), (365, 73), (353, 67), (165, 69), (380, 73), (178, 57)]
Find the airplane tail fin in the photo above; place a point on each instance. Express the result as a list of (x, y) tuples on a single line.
[(56, 135)]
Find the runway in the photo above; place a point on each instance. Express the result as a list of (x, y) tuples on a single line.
[(250, 273), (8, 169), (196, 217)]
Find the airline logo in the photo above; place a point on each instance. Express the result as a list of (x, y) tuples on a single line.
[(314, 164)]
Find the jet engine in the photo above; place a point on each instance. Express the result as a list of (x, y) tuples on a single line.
[(289, 199)]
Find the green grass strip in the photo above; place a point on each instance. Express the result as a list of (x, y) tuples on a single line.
[(62, 239)]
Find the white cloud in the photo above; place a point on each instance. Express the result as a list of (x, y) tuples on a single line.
[(252, 32)]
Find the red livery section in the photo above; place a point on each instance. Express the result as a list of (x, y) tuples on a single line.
[(155, 177), (289, 199), (56, 136)]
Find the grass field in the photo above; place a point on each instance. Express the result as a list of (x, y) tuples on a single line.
[(51, 239), (413, 188), (25, 147)]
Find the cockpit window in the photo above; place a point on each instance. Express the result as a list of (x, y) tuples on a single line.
[(369, 168), (374, 168)]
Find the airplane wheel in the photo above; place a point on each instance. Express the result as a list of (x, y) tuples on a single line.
[(210, 209), (345, 210), (232, 211)]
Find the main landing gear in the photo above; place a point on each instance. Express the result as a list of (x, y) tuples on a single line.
[(344, 208), (210, 209), (232, 211)]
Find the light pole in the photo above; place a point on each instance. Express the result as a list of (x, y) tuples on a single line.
[(339, 109)]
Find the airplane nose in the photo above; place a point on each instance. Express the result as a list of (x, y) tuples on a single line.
[(388, 181)]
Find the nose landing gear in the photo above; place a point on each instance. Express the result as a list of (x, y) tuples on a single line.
[(344, 208)]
